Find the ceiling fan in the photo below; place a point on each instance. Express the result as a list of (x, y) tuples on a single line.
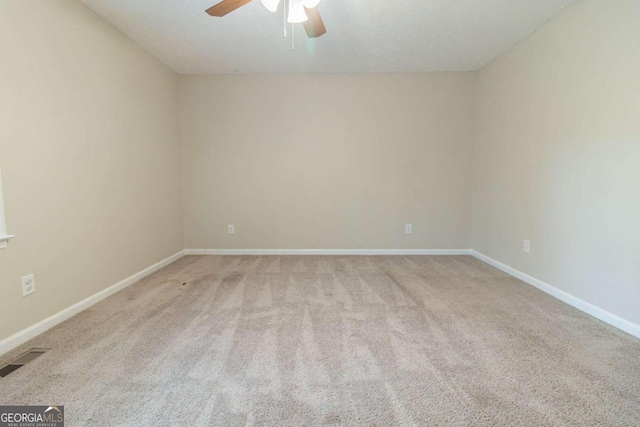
[(303, 12)]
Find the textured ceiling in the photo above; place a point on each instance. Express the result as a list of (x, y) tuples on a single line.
[(363, 35)]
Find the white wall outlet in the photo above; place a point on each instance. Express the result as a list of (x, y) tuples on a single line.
[(408, 229), (28, 285), (526, 247), (231, 229)]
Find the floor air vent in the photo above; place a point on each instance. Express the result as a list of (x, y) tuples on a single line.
[(27, 357)]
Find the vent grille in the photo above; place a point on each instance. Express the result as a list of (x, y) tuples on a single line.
[(18, 363)]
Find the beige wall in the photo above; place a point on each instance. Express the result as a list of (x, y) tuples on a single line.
[(327, 161), (90, 157), (557, 158)]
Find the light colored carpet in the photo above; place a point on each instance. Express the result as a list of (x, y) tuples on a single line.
[(285, 340)]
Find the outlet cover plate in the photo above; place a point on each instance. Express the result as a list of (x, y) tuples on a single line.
[(28, 285)]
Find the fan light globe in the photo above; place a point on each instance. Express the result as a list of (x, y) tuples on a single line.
[(296, 12), (310, 4), (271, 5)]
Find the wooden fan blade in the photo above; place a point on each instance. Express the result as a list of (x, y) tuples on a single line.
[(225, 7), (314, 25)]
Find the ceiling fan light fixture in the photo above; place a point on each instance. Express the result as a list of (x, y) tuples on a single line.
[(271, 5), (297, 14), (310, 4)]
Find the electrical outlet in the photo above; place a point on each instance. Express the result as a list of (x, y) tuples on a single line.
[(408, 229), (526, 247), (231, 229), (28, 285)]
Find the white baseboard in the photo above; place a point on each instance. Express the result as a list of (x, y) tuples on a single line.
[(32, 331), (597, 312), (328, 251)]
